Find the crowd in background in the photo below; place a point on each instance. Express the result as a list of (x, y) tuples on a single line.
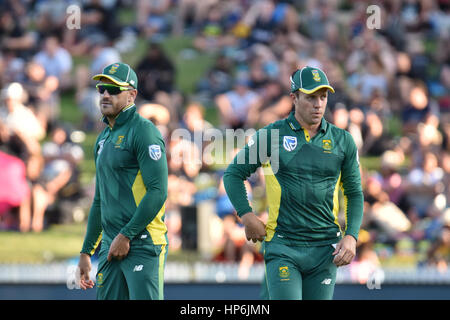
[(392, 94)]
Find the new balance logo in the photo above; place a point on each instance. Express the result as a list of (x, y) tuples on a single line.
[(326, 281), (138, 268)]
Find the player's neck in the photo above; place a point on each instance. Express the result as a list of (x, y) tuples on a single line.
[(311, 128)]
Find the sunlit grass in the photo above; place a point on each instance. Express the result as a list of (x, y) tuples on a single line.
[(57, 243)]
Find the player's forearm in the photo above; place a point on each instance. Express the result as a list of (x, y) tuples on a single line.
[(149, 207), (93, 230), (355, 204), (235, 188)]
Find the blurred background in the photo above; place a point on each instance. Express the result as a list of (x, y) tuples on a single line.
[(216, 64)]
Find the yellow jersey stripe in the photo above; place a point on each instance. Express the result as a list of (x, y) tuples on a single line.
[(336, 203), (162, 259), (96, 244), (273, 193), (156, 228), (345, 206)]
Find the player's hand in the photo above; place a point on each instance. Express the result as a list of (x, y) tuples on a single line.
[(119, 247), (84, 267), (255, 229), (345, 251)]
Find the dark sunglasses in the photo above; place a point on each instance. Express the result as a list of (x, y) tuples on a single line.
[(111, 88)]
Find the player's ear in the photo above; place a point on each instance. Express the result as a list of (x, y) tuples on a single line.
[(132, 96)]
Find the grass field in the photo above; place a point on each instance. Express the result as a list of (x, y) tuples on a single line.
[(57, 243)]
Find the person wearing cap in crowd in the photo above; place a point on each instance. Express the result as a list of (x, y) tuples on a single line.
[(127, 212), (305, 160)]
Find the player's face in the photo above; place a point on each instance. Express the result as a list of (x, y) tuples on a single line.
[(112, 104), (310, 108)]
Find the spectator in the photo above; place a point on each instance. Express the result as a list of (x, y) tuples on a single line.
[(238, 106), (28, 151), (321, 14), (341, 117), (190, 14), (61, 159), (213, 36), (275, 103), (14, 36), (51, 16), (15, 192), (421, 185), (264, 18), (445, 165), (428, 139), (392, 180), (263, 66), (217, 79), (156, 75), (42, 93), (417, 108), (17, 116), (373, 80), (438, 254), (355, 127), (99, 21), (103, 54), (153, 18), (184, 165), (389, 220), (159, 115), (56, 61), (194, 121)]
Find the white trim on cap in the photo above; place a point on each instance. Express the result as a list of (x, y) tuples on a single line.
[(300, 76), (129, 68)]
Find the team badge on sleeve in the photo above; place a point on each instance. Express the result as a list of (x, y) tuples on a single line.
[(155, 151), (289, 143)]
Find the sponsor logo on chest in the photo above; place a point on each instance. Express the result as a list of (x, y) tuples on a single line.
[(289, 143)]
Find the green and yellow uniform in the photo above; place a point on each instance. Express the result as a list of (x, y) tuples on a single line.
[(130, 192), (303, 176)]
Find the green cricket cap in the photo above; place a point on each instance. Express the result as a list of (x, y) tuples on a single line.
[(308, 80), (119, 73)]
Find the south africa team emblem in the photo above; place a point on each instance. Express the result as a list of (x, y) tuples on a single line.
[(316, 75), (155, 151), (283, 272), (327, 145), (114, 68), (100, 280), (289, 143)]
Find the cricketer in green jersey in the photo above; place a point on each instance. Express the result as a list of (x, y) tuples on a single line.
[(127, 213), (305, 160)]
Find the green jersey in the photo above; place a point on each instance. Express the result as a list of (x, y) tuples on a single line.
[(131, 183), (303, 176)]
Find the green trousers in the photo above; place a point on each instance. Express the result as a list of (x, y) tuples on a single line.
[(299, 272), (139, 276)]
